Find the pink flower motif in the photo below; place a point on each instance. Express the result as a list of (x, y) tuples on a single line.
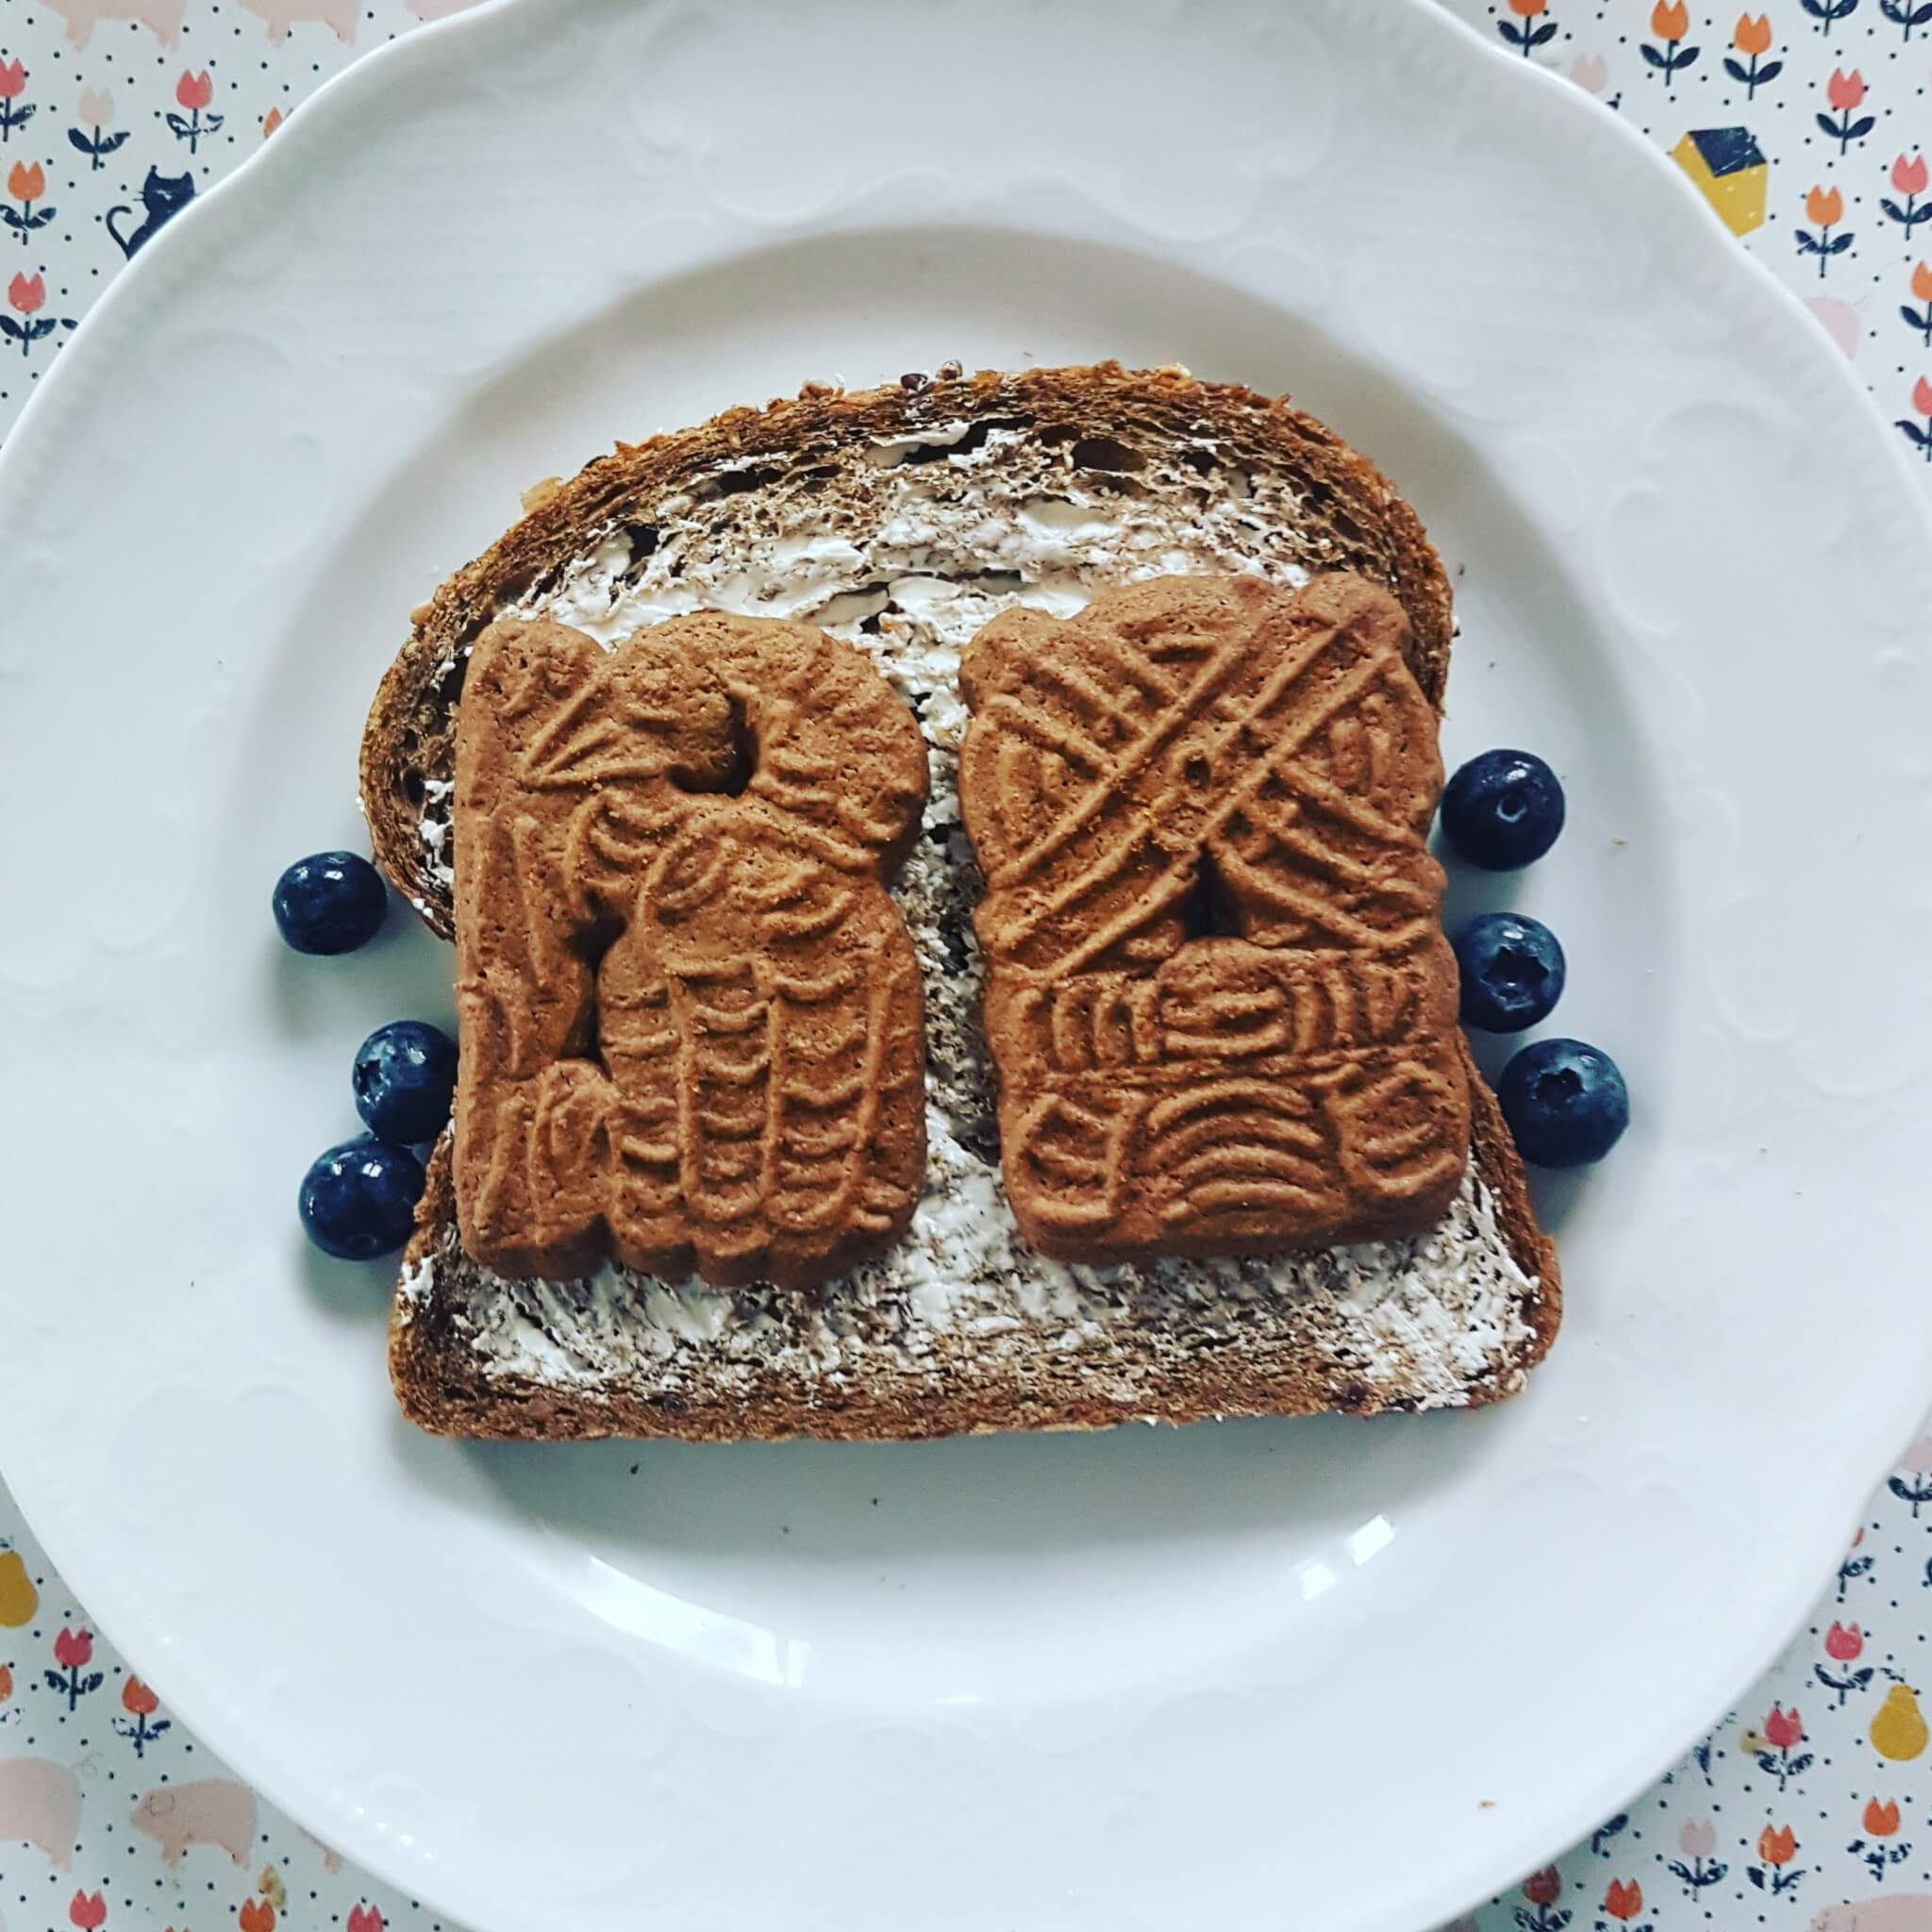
[(1783, 1728), (95, 107), (1922, 395), (1543, 1888), (71, 1648), (25, 293), (1589, 72), (1698, 1838), (87, 1910), (1843, 1642), (1909, 177), (12, 79), (1845, 91), (194, 91), (364, 1919)]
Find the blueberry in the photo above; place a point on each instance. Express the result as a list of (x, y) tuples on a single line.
[(1565, 1102), (1503, 809), (405, 1078), (359, 1200), (331, 902), (1512, 970)]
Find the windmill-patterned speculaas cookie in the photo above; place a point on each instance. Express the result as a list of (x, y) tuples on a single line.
[(1218, 994), (690, 1014)]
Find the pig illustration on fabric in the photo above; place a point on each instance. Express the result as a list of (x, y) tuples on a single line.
[(83, 16), (215, 1811), (338, 15), (40, 1803), (1903, 1913)]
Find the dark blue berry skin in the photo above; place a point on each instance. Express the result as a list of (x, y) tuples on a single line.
[(1565, 1102), (1512, 970), (1503, 809), (359, 1200), (405, 1078), (330, 902)]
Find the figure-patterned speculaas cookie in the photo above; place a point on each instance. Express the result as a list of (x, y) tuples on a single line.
[(690, 1015), (1218, 994)]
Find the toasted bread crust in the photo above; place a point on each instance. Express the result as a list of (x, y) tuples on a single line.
[(441, 1381)]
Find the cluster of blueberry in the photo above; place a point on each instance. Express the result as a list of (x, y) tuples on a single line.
[(359, 1200), (1565, 1101)]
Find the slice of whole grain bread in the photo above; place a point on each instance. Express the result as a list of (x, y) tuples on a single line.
[(904, 518)]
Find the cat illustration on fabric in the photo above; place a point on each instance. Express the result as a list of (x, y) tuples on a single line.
[(162, 197)]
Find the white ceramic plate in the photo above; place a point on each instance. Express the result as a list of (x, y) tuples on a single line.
[(1337, 1674)]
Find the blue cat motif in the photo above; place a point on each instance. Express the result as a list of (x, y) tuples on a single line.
[(162, 197)]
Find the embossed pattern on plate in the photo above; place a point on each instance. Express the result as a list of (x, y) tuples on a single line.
[(1085, 1682)]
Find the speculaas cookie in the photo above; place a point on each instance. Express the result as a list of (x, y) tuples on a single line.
[(690, 1015), (1217, 993)]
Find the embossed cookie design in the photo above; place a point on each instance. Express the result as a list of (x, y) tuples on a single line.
[(690, 1015), (1218, 994)]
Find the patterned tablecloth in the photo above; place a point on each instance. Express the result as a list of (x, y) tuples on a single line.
[(1807, 124)]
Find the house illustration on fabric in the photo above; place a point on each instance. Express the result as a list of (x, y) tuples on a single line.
[(1730, 168)]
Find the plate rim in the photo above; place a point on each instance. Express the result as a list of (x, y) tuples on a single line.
[(90, 1567)]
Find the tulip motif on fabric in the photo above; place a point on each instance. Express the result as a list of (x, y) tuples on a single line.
[(1217, 990), (1857, 1565), (1920, 434), (14, 111), (1907, 13), (1909, 173), (27, 296), (1827, 13), (194, 91), (1622, 1907), (1529, 30), (1825, 208), (1699, 1866), (1670, 21), (74, 1652), (1775, 1873), (1916, 1463), (1880, 1845), (1846, 94), (1540, 1910), (1844, 1644), (1752, 37), (1779, 1755), (140, 1726), (26, 183), (691, 1017), (95, 111)]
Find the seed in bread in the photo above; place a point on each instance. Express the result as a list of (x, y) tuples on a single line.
[(1217, 990), (690, 1015)]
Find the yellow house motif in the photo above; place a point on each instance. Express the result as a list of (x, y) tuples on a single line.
[(1730, 168)]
